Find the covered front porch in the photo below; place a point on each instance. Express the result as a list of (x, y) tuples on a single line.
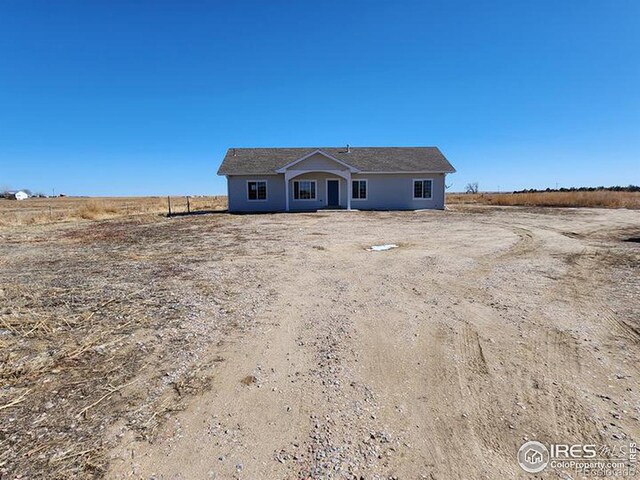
[(305, 190), (317, 181)]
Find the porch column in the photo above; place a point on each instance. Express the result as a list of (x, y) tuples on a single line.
[(349, 192), (286, 192)]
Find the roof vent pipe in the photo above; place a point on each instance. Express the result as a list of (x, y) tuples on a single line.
[(348, 148), (234, 152)]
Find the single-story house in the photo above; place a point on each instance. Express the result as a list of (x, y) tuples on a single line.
[(299, 179), (17, 195)]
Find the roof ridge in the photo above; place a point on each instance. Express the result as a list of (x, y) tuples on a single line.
[(320, 148)]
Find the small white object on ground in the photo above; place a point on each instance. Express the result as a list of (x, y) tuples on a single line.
[(382, 248)]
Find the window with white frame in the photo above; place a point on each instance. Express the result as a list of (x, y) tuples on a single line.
[(422, 188), (257, 190), (304, 190), (359, 189)]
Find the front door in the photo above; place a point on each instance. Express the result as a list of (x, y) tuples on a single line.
[(333, 195)]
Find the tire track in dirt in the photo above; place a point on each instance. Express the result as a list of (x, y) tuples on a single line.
[(471, 350), (561, 354), (582, 323), (562, 345), (477, 381), (593, 302), (587, 266), (525, 244), (618, 327)]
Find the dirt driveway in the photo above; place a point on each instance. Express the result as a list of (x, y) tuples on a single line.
[(485, 328)]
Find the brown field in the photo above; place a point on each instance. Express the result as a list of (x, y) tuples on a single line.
[(277, 346), (68, 209), (604, 199)]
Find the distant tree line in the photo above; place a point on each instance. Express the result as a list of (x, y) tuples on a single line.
[(630, 188)]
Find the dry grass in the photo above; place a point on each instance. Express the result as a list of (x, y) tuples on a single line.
[(94, 209), (66, 209), (602, 199)]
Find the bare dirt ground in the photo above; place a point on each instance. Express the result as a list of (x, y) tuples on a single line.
[(277, 346)]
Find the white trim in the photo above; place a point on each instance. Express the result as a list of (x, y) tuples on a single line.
[(266, 190), (407, 172), (245, 174), (413, 188), (366, 181), (305, 199), (291, 174), (286, 194), (278, 172), (330, 157), (326, 185)]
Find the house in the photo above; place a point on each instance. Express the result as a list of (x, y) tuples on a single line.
[(17, 195), (299, 179)]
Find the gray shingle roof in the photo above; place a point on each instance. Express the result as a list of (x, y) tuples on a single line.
[(252, 161)]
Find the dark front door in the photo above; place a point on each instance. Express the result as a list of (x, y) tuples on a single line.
[(333, 195)]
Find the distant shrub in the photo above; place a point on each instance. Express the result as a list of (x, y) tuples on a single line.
[(93, 209)]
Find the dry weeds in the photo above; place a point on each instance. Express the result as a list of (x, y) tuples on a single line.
[(606, 199), (102, 322), (35, 211)]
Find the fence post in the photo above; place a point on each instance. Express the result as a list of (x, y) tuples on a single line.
[(169, 201), (188, 206)]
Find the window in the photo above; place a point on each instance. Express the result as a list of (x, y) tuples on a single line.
[(257, 190), (359, 189), (422, 189), (304, 190)]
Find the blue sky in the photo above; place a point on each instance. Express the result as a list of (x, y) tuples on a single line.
[(135, 98)]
